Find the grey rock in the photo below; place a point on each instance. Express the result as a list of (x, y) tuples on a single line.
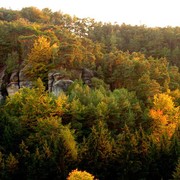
[(87, 75), (53, 77), (58, 76), (57, 83), (1, 98), (14, 77), (61, 86), (2, 74), (50, 81), (24, 80), (12, 88)]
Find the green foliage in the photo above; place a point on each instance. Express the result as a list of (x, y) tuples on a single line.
[(12, 62), (53, 146), (98, 83), (176, 174), (11, 163), (124, 109), (117, 108), (32, 14), (35, 133), (126, 126), (97, 150)]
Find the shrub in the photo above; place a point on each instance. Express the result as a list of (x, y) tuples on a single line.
[(80, 175)]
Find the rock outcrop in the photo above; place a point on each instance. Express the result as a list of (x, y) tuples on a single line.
[(23, 79), (1, 97), (86, 76), (2, 75), (61, 86), (57, 83), (13, 86), (11, 83)]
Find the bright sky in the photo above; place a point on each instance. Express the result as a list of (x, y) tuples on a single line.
[(135, 12)]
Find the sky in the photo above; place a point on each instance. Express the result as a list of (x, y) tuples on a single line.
[(152, 13)]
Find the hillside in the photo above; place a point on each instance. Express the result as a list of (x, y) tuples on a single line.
[(81, 94)]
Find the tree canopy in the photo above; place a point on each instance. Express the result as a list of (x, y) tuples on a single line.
[(124, 125)]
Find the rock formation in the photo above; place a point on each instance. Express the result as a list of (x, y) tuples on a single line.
[(2, 83), (61, 86), (57, 83), (23, 79), (13, 86), (86, 76)]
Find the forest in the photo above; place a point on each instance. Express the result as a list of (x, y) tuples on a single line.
[(124, 124)]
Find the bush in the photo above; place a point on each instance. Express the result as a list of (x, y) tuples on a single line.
[(176, 174), (80, 175)]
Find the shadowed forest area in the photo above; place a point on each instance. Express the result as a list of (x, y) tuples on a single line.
[(123, 124)]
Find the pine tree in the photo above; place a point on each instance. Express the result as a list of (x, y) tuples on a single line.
[(176, 173), (96, 151)]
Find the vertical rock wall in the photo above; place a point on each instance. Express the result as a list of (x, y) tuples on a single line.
[(57, 82), (2, 74)]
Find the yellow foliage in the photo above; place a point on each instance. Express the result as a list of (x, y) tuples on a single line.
[(137, 56), (47, 150), (40, 58), (163, 102), (61, 104), (1, 161), (11, 163), (41, 51), (102, 109), (164, 114), (37, 153), (80, 175), (157, 115)]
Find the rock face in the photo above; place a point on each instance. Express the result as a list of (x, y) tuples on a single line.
[(86, 76), (61, 86), (23, 80), (13, 86), (53, 78), (57, 83), (9, 85), (2, 75), (1, 97)]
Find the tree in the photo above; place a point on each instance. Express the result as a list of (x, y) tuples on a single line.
[(80, 175), (123, 109), (96, 151), (12, 62), (23, 110), (39, 60), (176, 173), (33, 130), (53, 148), (33, 14), (165, 116), (147, 88)]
